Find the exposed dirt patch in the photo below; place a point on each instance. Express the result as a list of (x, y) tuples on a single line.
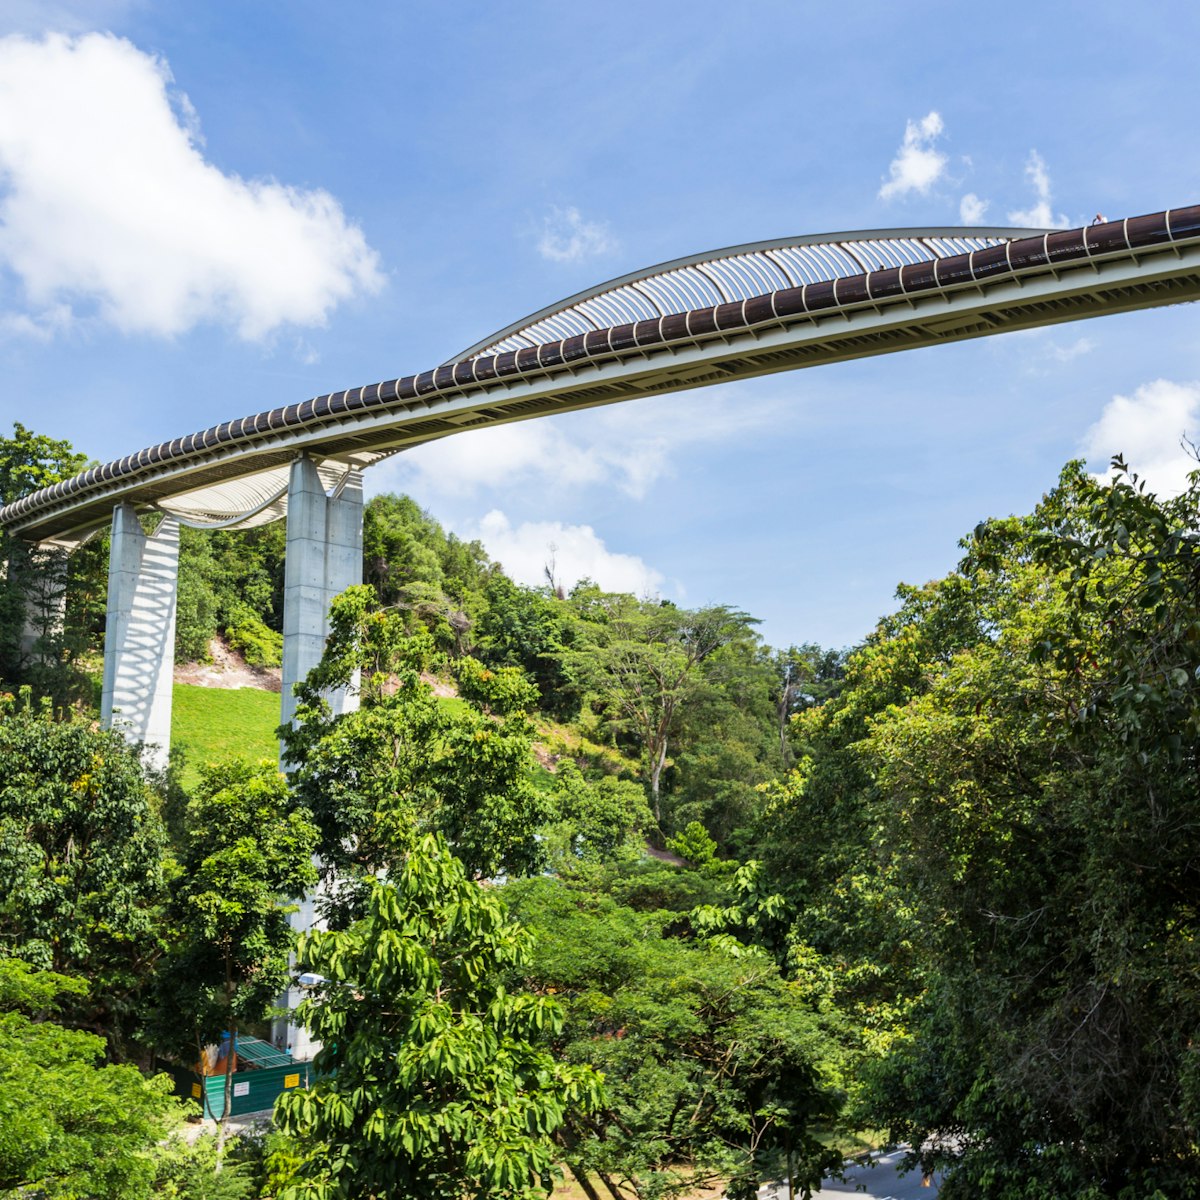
[(665, 856), (441, 687), (545, 758), (228, 669)]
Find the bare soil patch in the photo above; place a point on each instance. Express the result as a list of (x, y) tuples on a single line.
[(228, 669)]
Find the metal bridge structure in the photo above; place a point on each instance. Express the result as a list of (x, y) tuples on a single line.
[(731, 314)]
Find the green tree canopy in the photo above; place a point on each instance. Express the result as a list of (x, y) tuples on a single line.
[(643, 663), (432, 1081), (81, 847), (69, 1127), (405, 762), (715, 1068), (1011, 769), (247, 854), (35, 582)]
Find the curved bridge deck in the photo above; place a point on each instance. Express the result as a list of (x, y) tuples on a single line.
[(747, 311)]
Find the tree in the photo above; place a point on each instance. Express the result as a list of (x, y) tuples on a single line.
[(81, 846), (231, 582), (247, 853), (69, 1127), (805, 675), (433, 577), (643, 661), (35, 580), (431, 1082), (529, 628), (1034, 807), (406, 761), (715, 1068), (595, 820)]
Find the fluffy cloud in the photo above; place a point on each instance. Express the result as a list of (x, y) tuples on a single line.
[(626, 446), (1149, 428), (971, 209), (109, 205), (567, 238), (574, 552), (917, 165), (1039, 215)]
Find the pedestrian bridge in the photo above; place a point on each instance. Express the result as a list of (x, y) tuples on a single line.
[(710, 318)]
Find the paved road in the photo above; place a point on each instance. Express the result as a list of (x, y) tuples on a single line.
[(880, 1181)]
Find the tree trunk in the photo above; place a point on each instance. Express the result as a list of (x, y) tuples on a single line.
[(223, 1123), (785, 704), (615, 1191), (659, 760), (581, 1177)]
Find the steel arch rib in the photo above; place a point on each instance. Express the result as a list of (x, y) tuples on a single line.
[(946, 285)]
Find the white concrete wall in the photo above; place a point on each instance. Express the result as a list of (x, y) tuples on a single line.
[(324, 557), (139, 639)]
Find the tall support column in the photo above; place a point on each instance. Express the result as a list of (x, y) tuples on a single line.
[(324, 557), (139, 639)]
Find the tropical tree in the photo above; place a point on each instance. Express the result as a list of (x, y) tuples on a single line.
[(431, 1078), (716, 1070), (405, 760), (643, 663), (70, 1127), (1029, 803), (247, 855), (36, 581), (81, 847)]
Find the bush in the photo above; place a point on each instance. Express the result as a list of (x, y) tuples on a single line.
[(252, 639)]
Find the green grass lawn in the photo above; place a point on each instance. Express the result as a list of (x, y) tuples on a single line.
[(209, 724)]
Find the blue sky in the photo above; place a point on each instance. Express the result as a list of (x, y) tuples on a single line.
[(211, 209)]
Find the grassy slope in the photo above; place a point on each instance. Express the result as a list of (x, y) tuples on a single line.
[(209, 724)]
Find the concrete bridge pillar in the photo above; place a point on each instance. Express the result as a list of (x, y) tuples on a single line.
[(324, 557), (139, 639)]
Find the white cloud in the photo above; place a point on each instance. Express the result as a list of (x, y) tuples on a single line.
[(626, 446), (568, 238), (306, 353), (1039, 215), (971, 209), (1148, 428), (575, 552), (917, 165), (108, 204), (1071, 351), (37, 327)]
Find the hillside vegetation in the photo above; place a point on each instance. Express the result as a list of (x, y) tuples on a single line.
[(941, 884)]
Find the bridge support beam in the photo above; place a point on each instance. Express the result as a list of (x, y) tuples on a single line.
[(324, 557), (139, 639)]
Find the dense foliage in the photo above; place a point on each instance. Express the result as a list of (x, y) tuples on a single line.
[(1000, 803), (433, 1080), (944, 883), (81, 859)]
